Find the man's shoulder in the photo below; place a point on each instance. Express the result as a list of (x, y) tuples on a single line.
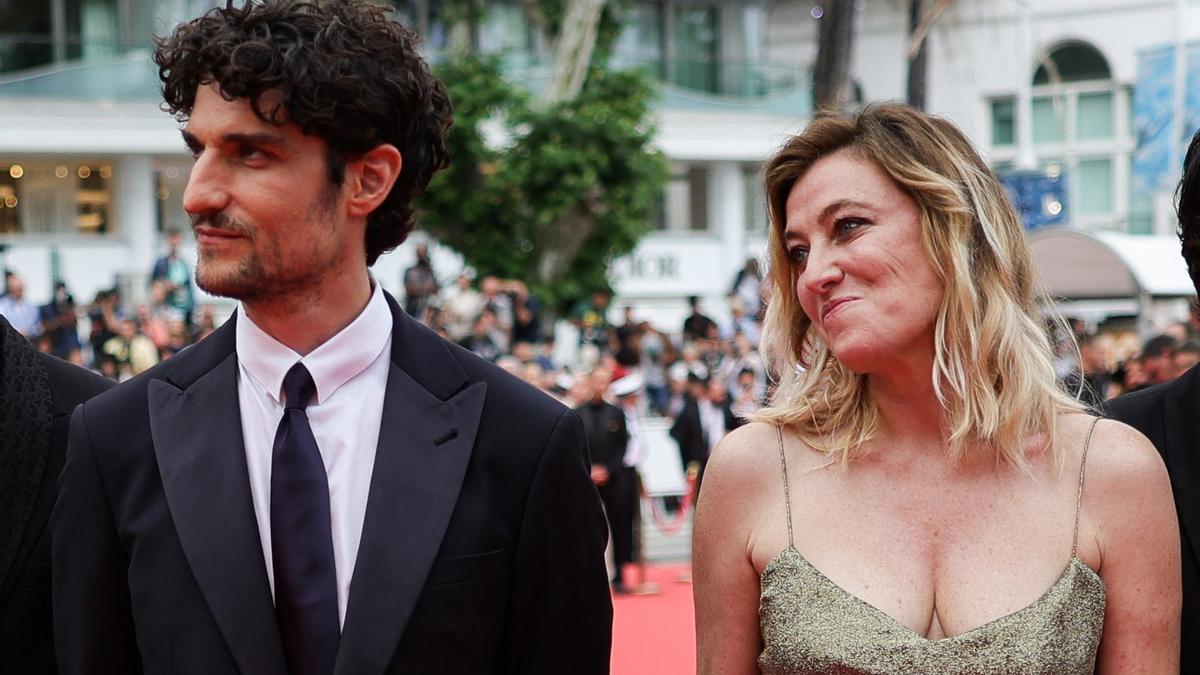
[(505, 390), (1149, 402), (70, 384), (129, 397), (1157, 411)]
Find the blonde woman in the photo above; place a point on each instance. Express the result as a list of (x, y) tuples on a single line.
[(920, 497)]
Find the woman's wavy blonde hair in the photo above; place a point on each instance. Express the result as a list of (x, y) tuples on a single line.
[(994, 365)]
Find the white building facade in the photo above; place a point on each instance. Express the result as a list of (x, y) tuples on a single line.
[(92, 171)]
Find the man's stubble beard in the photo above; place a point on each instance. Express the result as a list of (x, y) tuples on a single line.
[(249, 279)]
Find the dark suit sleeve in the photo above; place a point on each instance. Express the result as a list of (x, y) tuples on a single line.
[(561, 619), (93, 620), (619, 438)]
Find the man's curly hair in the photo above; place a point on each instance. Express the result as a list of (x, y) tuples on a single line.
[(1188, 210), (346, 73)]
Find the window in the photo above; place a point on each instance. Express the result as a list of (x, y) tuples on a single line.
[(38, 33), (1049, 123), (1072, 62), (1094, 189), (695, 48), (686, 202), (640, 43), (757, 219), (1095, 116), (46, 198), (1080, 125), (169, 183), (1004, 129)]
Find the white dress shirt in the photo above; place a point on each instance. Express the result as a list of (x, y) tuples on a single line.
[(350, 372)]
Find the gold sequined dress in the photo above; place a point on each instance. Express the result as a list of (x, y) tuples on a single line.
[(810, 624)]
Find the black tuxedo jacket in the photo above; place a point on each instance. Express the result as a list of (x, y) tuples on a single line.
[(37, 394), (482, 547), (688, 431), (1169, 415), (608, 439)]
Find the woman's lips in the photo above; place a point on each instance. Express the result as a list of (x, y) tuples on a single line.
[(833, 306)]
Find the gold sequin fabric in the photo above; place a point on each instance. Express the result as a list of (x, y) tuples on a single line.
[(810, 624)]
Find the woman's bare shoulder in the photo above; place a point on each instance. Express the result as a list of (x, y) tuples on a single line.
[(1117, 453), (744, 458), (1124, 477)]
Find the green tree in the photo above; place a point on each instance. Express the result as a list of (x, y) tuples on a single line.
[(573, 181)]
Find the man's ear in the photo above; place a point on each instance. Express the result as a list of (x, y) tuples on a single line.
[(370, 178)]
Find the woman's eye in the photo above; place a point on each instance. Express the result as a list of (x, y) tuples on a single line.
[(798, 255), (848, 224)]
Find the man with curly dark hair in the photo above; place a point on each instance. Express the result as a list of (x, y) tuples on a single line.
[(322, 485), (1166, 413)]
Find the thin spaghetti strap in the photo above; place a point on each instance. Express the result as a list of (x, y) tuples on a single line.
[(787, 500), (1079, 497)]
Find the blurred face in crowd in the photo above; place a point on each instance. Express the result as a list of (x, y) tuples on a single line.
[(1179, 331), (862, 275), (268, 220), (16, 287), (746, 381), (158, 292), (598, 383), (523, 351), (533, 374), (1184, 360), (483, 324), (1093, 356), (1160, 367), (490, 286), (742, 344), (716, 391), (1135, 374)]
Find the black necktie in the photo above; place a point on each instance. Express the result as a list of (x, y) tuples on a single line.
[(306, 603)]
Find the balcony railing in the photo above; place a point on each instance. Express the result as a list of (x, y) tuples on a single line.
[(129, 77), (724, 85), (689, 85)]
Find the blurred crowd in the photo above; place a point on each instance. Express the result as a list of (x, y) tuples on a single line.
[(705, 374), (1110, 363), (106, 334)]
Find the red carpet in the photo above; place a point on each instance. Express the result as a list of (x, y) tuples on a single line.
[(655, 634)]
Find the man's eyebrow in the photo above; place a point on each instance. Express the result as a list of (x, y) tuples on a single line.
[(258, 138), (189, 139)]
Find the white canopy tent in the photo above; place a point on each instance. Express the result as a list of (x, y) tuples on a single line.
[(1095, 275)]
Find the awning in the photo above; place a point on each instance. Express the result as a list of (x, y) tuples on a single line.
[(1076, 265)]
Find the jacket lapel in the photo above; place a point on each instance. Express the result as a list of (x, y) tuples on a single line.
[(1182, 435), (197, 435), (425, 442)]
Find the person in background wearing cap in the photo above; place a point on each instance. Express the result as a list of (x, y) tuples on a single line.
[(608, 441), (623, 516)]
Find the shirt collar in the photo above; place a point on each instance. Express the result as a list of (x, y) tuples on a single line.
[(334, 363)]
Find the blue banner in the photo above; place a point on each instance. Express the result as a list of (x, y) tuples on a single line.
[(1040, 199), (1153, 107), (1191, 103)]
